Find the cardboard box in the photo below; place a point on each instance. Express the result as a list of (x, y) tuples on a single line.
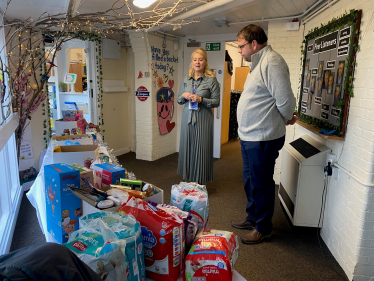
[(82, 139), (60, 125), (75, 154), (63, 207), (106, 174), (85, 173)]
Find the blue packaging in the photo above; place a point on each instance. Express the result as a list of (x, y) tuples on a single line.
[(63, 207)]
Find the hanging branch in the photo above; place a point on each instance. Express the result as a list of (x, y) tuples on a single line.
[(24, 65)]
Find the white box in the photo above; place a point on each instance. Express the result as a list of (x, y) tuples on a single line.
[(75, 154), (292, 26), (61, 125)]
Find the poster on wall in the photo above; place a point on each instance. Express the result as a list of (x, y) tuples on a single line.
[(326, 84), (163, 69)]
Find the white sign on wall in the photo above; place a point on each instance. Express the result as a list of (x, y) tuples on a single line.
[(26, 157)]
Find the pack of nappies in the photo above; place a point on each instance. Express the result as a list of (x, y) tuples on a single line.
[(128, 229), (212, 256), (193, 198), (97, 246)]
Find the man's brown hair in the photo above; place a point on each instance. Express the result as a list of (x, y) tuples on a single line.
[(253, 32)]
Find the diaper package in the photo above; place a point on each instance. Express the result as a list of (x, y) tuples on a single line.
[(97, 246), (193, 198), (212, 256), (128, 229), (190, 223), (162, 239)]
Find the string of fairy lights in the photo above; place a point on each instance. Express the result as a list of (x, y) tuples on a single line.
[(27, 63)]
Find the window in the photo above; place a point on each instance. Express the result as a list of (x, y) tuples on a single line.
[(10, 189)]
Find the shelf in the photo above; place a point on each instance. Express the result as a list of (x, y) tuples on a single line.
[(317, 130), (73, 93)]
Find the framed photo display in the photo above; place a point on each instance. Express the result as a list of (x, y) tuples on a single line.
[(327, 76)]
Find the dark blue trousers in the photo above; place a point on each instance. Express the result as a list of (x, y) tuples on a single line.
[(258, 170)]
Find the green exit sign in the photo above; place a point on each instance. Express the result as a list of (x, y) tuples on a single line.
[(213, 47)]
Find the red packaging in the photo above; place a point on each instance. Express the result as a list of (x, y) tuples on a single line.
[(212, 256), (162, 237)]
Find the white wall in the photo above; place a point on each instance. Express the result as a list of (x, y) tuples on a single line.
[(150, 144), (348, 227)]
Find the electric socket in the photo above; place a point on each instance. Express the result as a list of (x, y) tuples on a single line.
[(331, 157), (335, 172)]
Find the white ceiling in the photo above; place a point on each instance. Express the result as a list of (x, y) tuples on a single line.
[(23, 9), (206, 12)]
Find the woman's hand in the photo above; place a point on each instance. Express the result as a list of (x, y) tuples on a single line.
[(195, 98), (187, 96)]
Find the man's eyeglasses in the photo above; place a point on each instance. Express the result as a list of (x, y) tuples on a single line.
[(242, 46)]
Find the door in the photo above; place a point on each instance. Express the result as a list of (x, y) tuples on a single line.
[(226, 94), (215, 61), (75, 58)]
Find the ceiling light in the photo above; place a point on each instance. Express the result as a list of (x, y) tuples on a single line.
[(143, 3)]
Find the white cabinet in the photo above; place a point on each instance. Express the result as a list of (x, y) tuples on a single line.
[(302, 180)]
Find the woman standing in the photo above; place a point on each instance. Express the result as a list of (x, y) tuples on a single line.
[(199, 92)]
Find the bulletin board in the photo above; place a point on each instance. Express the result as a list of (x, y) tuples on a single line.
[(327, 77)]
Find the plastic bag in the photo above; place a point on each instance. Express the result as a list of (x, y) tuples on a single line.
[(212, 256), (97, 246), (128, 229), (162, 238), (193, 198)]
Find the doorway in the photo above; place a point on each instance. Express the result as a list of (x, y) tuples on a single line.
[(215, 61), (75, 57)]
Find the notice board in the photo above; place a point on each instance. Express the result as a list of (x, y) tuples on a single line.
[(327, 76)]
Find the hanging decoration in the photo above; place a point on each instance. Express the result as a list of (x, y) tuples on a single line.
[(27, 66)]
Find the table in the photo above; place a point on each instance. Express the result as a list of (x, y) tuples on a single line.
[(36, 196)]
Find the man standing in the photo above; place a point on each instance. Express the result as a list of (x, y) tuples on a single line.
[(266, 105)]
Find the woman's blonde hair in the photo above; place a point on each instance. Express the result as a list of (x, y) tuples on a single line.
[(207, 71)]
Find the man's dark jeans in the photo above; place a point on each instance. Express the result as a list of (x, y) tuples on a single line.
[(258, 170)]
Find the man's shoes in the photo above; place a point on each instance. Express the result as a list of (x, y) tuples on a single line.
[(243, 224), (255, 237)]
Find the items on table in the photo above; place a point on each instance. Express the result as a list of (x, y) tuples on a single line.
[(193, 198), (129, 191), (87, 162), (149, 190), (106, 174), (128, 229), (72, 115), (66, 132), (103, 158), (63, 208), (162, 238), (99, 247), (212, 256), (134, 184), (85, 173)]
